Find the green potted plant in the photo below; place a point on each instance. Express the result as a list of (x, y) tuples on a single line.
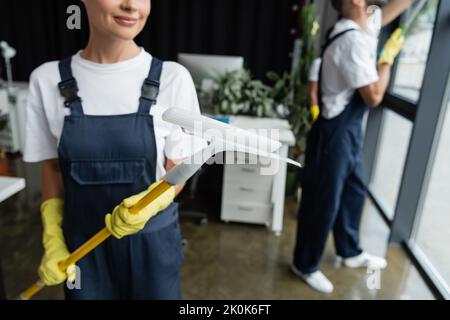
[(236, 93)]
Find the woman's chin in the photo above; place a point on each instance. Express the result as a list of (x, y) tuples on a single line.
[(125, 34)]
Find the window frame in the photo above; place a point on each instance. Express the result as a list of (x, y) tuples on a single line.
[(427, 117)]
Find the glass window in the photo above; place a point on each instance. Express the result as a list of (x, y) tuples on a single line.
[(432, 229), (391, 155), (413, 59)]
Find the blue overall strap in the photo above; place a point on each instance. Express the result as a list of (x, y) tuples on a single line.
[(68, 87), (150, 88)]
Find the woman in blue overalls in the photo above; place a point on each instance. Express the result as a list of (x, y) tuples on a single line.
[(333, 192), (94, 120)]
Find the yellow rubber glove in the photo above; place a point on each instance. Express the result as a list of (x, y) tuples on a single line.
[(55, 249), (392, 48), (122, 223), (315, 111)]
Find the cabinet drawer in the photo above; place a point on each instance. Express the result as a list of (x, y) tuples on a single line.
[(243, 192), (246, 212), (246, 174)]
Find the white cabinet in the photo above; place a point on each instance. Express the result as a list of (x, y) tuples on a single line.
[(249, 196)]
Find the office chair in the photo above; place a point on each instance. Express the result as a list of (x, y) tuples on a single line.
[(202, 217), (194, 214)]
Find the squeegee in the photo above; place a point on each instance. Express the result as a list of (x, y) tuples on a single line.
[(218, 135)]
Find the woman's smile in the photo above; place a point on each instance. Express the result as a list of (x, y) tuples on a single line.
[(125, 21)]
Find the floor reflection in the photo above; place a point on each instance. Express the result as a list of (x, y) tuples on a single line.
[(222, 261)]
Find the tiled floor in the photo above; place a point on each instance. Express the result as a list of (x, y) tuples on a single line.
[(222, 261)]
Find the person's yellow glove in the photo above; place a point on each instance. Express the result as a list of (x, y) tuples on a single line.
[(392, 48), (55, 250), (122, 222), (315, 111)]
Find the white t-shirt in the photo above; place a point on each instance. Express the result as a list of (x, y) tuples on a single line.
[(109, 89), (348, 64), (315, 70)]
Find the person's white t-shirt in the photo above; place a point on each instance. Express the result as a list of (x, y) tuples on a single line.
[(109, 89), (315, 70), (349, 63)]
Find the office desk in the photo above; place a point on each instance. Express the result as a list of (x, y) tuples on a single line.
[(8, 187), (249, 197)]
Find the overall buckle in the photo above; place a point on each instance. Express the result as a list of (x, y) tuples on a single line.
[(150, 90), (69, 90)]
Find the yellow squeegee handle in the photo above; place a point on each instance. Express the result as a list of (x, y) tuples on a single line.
[(96, 240)]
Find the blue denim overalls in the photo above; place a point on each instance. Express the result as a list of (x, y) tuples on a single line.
[(333, 193), (103, 160)]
